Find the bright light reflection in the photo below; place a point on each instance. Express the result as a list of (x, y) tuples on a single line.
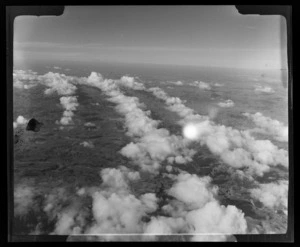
[(190, 131)]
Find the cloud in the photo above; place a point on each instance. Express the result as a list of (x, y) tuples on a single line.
[(24, 79), (202, 85), (226, 103), (90, 125), (272, 195), (269, 126), (152, 145), (195, 203), (115, 209), (236, 148), (193, 209), (263, 89), (70, 104), (20, 121), (55, 83), (87, 144), (23, 199), (56, 67), (191, 205), (218, 84), (178, 83), (175, 104), (58, 83), (187, 186), (131, 83)]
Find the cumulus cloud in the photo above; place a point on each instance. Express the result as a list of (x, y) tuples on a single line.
[(202, 85), (195, 205), (152, 145), (131, 83), (23, 199), (58, 83), (218, 84), (55, 82), (87, 144), (191, 207), (263, 89), (20, 121), (272, 195), (178, 83), (236, 148), (226, 103), (114, 208), (90, 125), (269, 126), (175, 104), (70, 104), (24, 79)]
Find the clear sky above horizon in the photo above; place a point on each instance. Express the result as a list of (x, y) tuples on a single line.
[(181, 35)]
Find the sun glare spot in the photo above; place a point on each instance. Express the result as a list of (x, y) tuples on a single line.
[(190, 131)]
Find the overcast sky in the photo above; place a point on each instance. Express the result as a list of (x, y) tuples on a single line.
[(182, 35)]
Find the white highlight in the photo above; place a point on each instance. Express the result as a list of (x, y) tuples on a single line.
[(20, 121), (190, 131)]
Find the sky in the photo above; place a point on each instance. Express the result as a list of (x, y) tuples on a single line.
[(180, 35)]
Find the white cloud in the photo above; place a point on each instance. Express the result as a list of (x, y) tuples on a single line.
[(115, 209), (24, 79), (188, 186), (55, 82), (178, 83), (263, 89), (70, 104), (226, 103), (87, 144), (89, 124), (202, 85), (269, 126), (236, 148), (23, 199), (65, 222), (20, 121), (176, 105), (131, 83), (152, 145), (59, 83), (218, 84), (195, 202), (272, 195), (193, 208)]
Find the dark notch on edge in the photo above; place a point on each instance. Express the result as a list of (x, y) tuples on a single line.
[(263, 9), (36, 10)]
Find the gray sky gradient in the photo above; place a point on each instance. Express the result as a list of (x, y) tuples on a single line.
[(181, 35)]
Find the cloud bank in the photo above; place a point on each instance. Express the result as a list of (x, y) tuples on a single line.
[(202, 85), (190, 205), (236, 148), (58, 83), (70, 104), (263, 89), (269, 126), (87, 144), (152, 145), (24, 79), (20, 121), (226, 103), (272, 195)]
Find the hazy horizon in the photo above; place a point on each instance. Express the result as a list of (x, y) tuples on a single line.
[(200, 36)]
